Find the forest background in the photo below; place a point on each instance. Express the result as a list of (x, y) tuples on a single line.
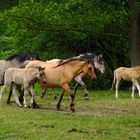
[(66, 28)]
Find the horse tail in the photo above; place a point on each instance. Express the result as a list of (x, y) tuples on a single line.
[(114, 80)]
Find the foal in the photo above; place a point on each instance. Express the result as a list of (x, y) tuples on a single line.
[(25, 77), (128, 74)]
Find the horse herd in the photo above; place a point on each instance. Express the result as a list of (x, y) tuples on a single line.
[(23, 70)]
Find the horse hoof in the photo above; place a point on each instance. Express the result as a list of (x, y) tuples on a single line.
[(20, 106), (9, 103), (58, 106), (60, 109), (72, 109), (35, 106)]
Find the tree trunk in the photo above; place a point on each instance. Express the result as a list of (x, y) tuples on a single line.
[(135, 33)]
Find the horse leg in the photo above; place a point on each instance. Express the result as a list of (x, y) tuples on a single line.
[(15, 95), (20, 96), (24, 97), (54, 94), (85, 89), (32, 95), (2, 91), (34, 104), (137, 85), (9, 95), (114, 80), (75, 88), (66, 88), (78, 79), (117, 86), (21, 93), (43, 92), (133, 90), (60, 99)]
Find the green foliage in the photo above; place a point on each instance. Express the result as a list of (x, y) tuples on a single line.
[(61, 29)]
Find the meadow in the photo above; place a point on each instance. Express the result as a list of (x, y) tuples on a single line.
[(101, 118)]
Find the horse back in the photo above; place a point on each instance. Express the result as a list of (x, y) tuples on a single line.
[(20, 76)]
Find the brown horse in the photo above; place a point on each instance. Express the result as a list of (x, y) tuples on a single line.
[(64, 73), (96, 60)]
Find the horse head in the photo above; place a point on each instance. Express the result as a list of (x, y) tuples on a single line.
[(88, 69), (41, 75), (96, 60), (99, 63)]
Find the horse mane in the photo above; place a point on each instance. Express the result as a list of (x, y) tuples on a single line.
[(21, 57), (87, 56), (68, 60)]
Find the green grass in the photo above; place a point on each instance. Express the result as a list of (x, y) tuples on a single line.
[(100, 118)]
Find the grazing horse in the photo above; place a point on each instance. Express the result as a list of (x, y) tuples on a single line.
[(97, 61), (25, 77), (64, 73), (15, 61), (128, 74)]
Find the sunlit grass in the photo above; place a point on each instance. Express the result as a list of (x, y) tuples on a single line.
[(100, 118)]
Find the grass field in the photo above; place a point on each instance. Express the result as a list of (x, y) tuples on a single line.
[(100, 118)]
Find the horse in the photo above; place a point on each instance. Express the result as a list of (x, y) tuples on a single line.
[(63, 74), (25, 77), (128, 74), (15, 61), (97, 61)]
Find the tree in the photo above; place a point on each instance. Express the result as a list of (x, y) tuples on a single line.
[(135, 32), (64, 28)]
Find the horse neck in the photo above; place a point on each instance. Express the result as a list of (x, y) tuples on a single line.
[(75, 67), (33, 72)]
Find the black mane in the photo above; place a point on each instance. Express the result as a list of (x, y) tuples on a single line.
[(87, 56), (21, 57), (68, 60)]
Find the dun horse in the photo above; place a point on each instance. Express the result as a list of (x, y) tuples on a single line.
[(64, 73), (15, 61), (128, 74), (27, 77), (96, 60)]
